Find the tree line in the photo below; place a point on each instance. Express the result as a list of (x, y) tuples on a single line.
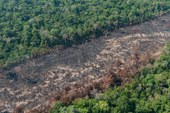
[(149, 92), (29, 27)]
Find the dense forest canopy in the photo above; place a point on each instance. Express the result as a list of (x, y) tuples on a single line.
[(149, 92), (29, 27)]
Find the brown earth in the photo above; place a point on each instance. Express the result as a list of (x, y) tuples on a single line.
[(89, 68)]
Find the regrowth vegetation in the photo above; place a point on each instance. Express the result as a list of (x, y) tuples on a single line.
[(149, 92), (31, 27)]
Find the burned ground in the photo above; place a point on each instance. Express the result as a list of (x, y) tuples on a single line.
[(121, 52)]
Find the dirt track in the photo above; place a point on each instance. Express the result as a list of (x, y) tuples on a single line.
[(33, 81)]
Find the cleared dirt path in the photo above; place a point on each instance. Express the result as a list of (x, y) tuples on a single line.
[(32, 82)]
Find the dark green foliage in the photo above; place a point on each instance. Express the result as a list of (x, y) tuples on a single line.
[(149, 92), (32, 26)]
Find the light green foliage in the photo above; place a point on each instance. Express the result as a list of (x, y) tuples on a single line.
[(149, 92), (101, 107), (30, 27)]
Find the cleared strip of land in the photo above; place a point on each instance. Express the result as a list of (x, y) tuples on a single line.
[(33, 81)]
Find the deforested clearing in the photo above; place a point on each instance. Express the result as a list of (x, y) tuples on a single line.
[(123, 52)]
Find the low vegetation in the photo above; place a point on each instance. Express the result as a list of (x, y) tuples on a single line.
[(149, 92), (31, 27)]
